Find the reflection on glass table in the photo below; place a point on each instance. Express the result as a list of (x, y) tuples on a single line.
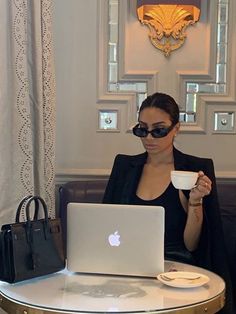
[(66, 292)]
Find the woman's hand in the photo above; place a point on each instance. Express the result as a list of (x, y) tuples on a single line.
[(194, 222), (202, 188)]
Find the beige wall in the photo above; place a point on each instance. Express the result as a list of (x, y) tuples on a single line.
[(80, 33)]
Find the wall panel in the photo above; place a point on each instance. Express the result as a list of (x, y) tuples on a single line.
[(81, 35)]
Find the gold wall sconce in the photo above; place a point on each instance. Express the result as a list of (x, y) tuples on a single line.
[(168, 20)]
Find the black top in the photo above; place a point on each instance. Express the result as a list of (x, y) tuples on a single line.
[(175, 221), (175, 215)]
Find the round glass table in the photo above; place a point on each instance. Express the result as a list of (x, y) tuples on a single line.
[(66, 292)]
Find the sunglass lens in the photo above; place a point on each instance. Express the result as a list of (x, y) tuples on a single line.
[(159, 132), (156, 133), (140, 132)]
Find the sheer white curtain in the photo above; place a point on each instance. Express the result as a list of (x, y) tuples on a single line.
[(27, 104)]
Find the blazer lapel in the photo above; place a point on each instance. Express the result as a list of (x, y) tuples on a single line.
[(134, 173), (181, 163), (179, 160)]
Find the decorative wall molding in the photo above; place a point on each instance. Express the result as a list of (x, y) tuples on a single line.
[(104, 97), (207, 75), (66, 175)]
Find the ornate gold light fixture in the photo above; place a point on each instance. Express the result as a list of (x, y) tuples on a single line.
[(167, 21)]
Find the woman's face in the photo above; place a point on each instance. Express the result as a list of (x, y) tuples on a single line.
[(152, 118)]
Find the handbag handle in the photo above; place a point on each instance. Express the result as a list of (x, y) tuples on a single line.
[(29, 227), (37, 199), (23, 201)]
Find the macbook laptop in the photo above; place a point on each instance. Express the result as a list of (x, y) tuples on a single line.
[(115, 239)]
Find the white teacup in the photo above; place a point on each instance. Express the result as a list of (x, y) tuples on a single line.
[(183, 180)]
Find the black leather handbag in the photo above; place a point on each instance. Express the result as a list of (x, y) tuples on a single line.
[(32, 248)]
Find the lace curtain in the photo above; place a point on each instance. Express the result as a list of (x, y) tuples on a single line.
[(27, 104)]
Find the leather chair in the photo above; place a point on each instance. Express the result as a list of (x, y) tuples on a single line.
[(90, 191)]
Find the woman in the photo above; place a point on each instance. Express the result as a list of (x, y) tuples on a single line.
[(193, 231)]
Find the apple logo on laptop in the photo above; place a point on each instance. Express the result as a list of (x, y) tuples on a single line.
[(114, 239)]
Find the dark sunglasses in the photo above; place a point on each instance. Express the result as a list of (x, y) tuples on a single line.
[(156, 133)]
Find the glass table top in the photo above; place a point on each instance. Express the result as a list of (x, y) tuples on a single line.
[(82, 293)]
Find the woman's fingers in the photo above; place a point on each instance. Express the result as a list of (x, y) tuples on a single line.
[(203, 186)]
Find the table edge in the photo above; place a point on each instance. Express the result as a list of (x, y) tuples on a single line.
[(210, 306)]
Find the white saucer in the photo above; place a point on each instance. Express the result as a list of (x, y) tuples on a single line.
[(183, 279)]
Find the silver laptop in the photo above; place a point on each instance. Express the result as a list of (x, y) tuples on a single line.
[(115, 239)]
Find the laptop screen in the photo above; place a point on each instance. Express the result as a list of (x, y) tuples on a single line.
[(115, 239)]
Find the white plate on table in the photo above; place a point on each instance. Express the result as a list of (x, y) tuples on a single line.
[(183, 279)]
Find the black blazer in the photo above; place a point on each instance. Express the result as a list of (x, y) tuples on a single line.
[(210, 254)]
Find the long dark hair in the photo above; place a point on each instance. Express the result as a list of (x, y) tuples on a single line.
[(163, 102)]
